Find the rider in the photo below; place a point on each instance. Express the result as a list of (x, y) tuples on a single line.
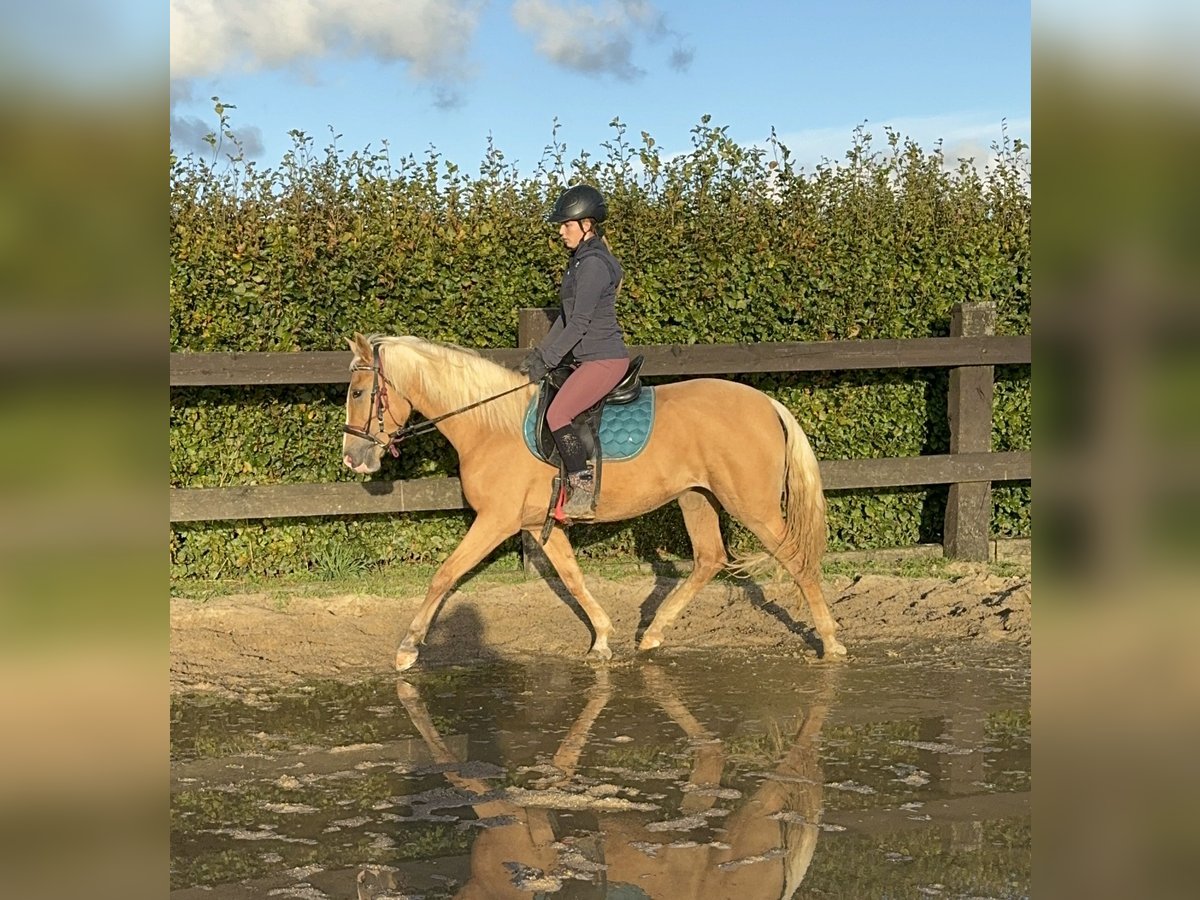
[(586, 330)]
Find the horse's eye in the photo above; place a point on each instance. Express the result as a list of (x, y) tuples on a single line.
[(356, 394)]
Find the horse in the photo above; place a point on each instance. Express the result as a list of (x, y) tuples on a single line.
[(715, 443)]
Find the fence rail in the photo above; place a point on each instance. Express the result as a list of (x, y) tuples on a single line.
[(333, 366), (970, 353)]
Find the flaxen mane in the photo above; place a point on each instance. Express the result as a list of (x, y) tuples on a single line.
[(411, 360)]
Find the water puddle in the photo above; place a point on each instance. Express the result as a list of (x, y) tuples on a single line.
[(897, 774)]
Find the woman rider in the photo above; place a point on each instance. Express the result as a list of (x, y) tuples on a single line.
[(586, 330)]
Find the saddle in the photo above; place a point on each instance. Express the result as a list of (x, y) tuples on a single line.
[(628, 389)]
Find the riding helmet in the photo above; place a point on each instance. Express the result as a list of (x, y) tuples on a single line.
[(579, 202)]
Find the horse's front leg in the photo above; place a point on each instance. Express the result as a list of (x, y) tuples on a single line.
[(482, 538), (562, 557)]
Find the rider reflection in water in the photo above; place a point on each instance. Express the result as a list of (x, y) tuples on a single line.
[(586, 331)]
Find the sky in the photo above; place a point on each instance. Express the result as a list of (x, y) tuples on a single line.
[(450, 74)]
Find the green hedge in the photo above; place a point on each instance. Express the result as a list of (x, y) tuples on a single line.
[(723, 244)]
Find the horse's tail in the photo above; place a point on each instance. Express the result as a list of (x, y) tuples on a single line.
[(804, 534)]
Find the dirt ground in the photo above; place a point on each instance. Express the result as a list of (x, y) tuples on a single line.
[(239, 641)]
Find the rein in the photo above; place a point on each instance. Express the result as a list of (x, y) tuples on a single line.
[(379, 405)]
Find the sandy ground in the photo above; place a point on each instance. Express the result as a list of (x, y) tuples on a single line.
[(249, 639)]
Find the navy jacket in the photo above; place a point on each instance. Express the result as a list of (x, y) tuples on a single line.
[(586, 327)]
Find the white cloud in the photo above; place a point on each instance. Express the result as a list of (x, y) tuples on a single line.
[(966, 136), (181, 91), (213, 36), (596, 38), (188, 132), (188, 135)]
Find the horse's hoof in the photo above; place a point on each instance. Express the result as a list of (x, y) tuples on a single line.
[(649, 643), (599, 654), (834, 647), (405, 659)]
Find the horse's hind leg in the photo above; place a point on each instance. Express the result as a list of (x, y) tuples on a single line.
[(810, 586), (806, 573), (482, 538), (704, 529), (558, 550)]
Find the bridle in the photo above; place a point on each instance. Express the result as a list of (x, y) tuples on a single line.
[(389, 440)]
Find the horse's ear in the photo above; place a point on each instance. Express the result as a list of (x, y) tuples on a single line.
[(360, 346)]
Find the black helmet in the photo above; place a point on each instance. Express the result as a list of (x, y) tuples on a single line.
[(579, 202)]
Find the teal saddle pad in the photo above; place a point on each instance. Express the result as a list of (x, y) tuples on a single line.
[(624, 429)]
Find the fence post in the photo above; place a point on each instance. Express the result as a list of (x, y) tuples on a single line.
[(969, 505), (532, 326)]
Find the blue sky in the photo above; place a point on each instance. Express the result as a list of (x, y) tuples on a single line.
[(451, 73)]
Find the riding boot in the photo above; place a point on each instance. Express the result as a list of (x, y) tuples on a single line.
[(570, 448), (581, 483), (581, 495)]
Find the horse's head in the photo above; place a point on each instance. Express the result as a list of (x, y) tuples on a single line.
[(374, 409)]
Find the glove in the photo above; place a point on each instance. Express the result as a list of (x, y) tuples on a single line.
[(535, 366)]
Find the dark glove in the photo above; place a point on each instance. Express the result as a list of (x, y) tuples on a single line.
[(535, 366)]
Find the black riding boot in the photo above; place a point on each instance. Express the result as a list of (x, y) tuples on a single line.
[(581, 482)]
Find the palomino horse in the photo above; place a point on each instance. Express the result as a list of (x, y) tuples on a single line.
[(767, 840), (713, 442)]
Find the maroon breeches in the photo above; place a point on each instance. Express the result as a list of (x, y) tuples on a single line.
[(585, 386)]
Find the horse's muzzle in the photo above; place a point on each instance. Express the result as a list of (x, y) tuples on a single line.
[(360, 453)]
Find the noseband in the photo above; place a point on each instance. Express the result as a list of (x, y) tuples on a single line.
[(379, 406)]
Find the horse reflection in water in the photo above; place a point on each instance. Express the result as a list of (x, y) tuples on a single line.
[(764, 849)]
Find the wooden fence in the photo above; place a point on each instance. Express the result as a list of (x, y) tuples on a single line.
[(969, 468)]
